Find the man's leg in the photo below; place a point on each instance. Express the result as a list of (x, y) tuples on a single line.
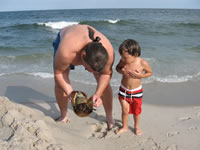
[(62, 100), (107, 99)]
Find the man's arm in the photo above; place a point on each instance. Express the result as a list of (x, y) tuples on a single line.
[(62, 80), (62, 69), (103, 81)]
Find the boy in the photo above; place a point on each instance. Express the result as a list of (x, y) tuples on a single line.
[(133, 69)]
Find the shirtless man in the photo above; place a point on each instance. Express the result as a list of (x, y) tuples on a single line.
[(83, 45)]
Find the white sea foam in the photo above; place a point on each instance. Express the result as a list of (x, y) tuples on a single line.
[(173, 79), (151, 60), (39, 74), (115, 81), (2, 74), (57, 25), (42, 74), (113, 21), (12, 57)]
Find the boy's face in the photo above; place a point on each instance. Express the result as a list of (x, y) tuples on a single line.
[(126, 57)]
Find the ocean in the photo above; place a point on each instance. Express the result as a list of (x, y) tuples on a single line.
[(170, 41)]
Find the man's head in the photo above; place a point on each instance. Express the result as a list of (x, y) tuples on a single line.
[(95, 55), (130, 46)]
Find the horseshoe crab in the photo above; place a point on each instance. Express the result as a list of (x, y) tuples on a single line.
[(82, 106)]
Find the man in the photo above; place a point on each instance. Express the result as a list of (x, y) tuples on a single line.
[(83, 45)]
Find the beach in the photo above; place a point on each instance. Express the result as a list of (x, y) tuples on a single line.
[(170, 118)]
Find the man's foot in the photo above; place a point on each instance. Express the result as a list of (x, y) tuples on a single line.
[(111, 124), (138, 131), (122, 130), (63, 120)]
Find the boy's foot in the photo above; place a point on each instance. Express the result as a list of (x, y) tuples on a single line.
[(138, 131), (63, 120), (122, 130)]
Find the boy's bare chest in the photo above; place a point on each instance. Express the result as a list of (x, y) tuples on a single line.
[(133, 66)]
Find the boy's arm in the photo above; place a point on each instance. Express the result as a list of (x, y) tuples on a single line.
[(119, 67), (147, 69)]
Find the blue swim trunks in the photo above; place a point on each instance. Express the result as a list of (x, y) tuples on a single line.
[(55, 46)]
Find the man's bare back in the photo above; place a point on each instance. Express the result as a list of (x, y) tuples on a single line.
[(73, 39)]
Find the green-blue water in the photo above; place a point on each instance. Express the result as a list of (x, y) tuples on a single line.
[(170, 40)]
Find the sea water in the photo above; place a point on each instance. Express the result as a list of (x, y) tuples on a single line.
[(169, 38)]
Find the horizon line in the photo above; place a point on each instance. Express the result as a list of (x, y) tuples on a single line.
[(92, 8)]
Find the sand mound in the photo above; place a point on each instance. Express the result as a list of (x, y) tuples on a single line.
[(22, 129)]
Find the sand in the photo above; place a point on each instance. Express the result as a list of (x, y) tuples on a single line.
[(28, 110)]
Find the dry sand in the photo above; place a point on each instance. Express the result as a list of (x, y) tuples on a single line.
[(23, 128), (30, 125)]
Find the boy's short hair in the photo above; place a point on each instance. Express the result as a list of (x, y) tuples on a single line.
[(96, 56), (131, 46)]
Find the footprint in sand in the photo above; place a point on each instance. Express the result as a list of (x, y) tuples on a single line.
[(198, 114), (170, 134), (100, 130), (196, 107), (184, 118), (192, 128), (173, 147)]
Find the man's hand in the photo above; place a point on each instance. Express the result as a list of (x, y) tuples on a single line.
[(69, 98), (97, 101)]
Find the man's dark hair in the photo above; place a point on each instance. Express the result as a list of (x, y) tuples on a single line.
[(96, 55), (131, 46)]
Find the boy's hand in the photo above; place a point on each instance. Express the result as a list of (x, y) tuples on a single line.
[(135, 74), (125, 72)]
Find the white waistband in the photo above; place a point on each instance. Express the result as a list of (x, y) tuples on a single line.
[(131, 90)]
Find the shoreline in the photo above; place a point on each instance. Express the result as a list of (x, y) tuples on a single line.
[(30, 89)]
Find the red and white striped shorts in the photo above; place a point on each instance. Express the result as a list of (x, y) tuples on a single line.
[(133, 97)]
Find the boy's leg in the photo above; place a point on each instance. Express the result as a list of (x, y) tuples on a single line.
[(136, 126), (125, 110)]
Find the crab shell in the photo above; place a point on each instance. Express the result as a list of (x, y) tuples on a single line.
[(79, 97)]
